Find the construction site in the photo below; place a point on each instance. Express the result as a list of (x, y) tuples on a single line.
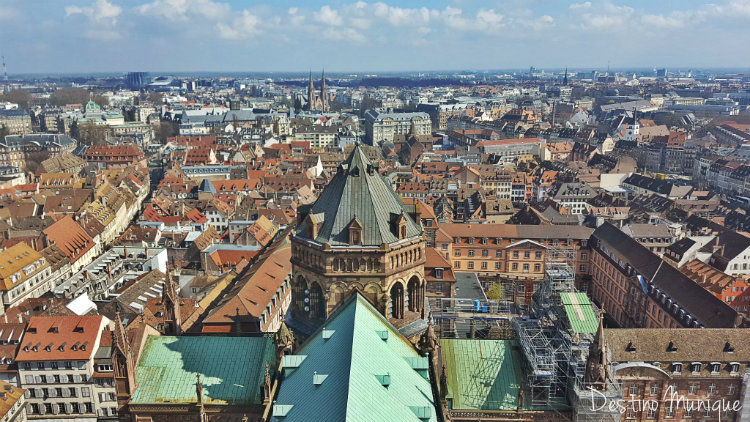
[(549, 337)]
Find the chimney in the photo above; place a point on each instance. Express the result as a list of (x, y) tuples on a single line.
[(20, 317)]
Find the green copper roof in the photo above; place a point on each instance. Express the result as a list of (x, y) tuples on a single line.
[(359, 190), (354, 374), (481, 374), (580, 312), (232, 369)]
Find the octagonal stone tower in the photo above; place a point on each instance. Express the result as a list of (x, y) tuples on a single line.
[(357, 235)]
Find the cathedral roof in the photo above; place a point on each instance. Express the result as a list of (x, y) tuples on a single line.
[(358, 190)]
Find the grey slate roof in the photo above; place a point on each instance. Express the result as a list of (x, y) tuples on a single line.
[(359, 190), (709, 310)]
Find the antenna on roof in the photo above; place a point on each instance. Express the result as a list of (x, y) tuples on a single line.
[(6, 86)]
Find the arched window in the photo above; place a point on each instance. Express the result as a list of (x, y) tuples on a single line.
[(397, 301), (317, 302)]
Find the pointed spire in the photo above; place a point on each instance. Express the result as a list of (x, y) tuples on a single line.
[(199, 389)]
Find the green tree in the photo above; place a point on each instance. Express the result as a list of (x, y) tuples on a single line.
[(91, 134), (155, 97), (65, 96), (166, 130), (496, 292), (18, 96)]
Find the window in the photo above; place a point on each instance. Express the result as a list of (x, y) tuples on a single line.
[(734, 367), (75, 407), (498, 254), (48, 407), (633, 389), (696, 367), (89, 408), (498, 265), (652, 412), (73, 392), (27, 365), (457, 264), (526, 254), (670, 411), (457, 252), (584, 255), (525, 268), (582, 268), (484, 240), (676, 368), (471, 264), (538, 255), (484, 265), (53, 365), (34, 408), (712, 389), (444, 246), (57, 379), (105, 368), (471, 240), (730, 389), (438, 273), (537, 267), (515, 266), (40, 365), (84, 391), (68, 365), (692, 388), (515, 254), (630, 414), (708, 409), (485, 252), (654, 389), (688, 412), (471, 252)]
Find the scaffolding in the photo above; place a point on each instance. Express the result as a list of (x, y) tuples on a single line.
[(473, 318), (554, 357)]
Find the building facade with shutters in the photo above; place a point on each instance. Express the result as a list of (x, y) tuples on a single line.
[(56, 366)]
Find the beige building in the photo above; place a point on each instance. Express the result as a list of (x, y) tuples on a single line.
[(381, 125), (56, 364), (24, 273), (18, 122)]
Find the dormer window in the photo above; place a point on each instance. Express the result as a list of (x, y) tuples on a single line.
[(355, 232), (401, 226), (439, 273), (696, 367)]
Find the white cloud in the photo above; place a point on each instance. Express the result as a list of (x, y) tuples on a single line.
[(102, 19), (183, 10), (100, 12), (328, 16)]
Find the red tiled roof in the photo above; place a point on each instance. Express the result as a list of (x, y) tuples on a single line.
[(69, 237), (60, 338)]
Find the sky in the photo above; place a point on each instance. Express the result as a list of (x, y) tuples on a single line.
[(78, 36)]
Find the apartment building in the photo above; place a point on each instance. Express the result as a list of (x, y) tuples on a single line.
[(24, 273), (677, 369), (639, 290), (513, 251), (382, 124), (56, 365)]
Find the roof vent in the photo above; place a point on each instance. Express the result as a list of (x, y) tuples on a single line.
[(383, 335), (630, 347), (671, 347), (327, 333), (728, 348), (385, 380), (424, 413), (281, 410), (318, 378)]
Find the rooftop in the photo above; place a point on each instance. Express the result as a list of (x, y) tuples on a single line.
[(232, 369)]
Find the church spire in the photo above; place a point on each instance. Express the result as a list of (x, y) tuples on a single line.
[(171, 302), (311, 94), (597, 364), (323, 93)]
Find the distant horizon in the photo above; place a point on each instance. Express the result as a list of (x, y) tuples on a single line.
[(100, 36), (363, 73)]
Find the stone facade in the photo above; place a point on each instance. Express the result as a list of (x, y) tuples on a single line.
[(357, 237)]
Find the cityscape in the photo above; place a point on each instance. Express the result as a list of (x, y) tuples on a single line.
[(217, 211)]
